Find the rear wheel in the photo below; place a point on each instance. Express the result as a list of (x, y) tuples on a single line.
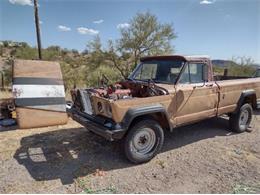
[(240, 121), (143, 141)]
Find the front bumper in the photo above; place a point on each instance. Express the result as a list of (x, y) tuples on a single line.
[(98, 125)]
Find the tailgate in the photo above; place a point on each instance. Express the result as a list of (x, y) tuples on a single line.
[(39, 94)]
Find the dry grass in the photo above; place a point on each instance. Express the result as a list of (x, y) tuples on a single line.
[(5, 94)]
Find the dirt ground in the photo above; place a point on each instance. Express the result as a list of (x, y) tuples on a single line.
[(201, 158)]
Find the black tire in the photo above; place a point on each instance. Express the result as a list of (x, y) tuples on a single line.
[(235, 120), (148, 128)]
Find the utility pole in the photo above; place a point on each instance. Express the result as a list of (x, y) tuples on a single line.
[(3, 81), (38, 33)]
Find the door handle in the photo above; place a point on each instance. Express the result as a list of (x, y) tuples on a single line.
[(209, 85)]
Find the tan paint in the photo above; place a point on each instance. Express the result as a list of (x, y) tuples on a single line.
[(120, 107), (36, 68), (31, 118), (195, 101), (37, 117), (190, 102), (231, 90)]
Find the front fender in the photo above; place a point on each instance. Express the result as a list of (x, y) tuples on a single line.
[(132, 113)]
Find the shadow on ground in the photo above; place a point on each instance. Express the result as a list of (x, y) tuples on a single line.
[(10, 128), (67, 154), (257, 112)]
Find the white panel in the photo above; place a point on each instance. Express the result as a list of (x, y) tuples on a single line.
[(37, 91)]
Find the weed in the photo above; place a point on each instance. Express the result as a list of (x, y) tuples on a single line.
[(246, 189), (161, 163), (108, 190), (83, 184)]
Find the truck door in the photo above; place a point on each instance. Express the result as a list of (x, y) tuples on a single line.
[(38, 93), (197, 98)]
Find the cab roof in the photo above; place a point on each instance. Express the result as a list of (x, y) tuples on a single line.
[(177, 57)]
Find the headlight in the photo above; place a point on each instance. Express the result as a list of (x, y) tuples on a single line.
[(109, 110), (104, 109)]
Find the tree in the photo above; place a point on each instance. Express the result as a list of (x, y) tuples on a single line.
[(144, 36), (97, 64), (241, 66), (7, 71), (243, 61), (95, 53), (27, 53)]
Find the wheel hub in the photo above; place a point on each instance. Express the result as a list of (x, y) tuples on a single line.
[(143, 141), (244, 117)]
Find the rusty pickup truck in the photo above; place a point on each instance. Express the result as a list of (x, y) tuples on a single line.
[(162, 93)]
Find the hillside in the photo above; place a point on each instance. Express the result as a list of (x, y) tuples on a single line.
[(225, 63), (222, 63)]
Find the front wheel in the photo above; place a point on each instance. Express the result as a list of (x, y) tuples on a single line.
[(240, 121), (143, 141)]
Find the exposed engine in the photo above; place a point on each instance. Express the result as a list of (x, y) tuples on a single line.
[(96, 100), (128, 89)]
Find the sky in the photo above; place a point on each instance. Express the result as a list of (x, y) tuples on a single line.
[(220, 28)]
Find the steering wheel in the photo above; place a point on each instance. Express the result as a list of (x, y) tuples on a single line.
[(152, 91)]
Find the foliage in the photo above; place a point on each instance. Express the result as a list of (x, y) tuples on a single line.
[(73, 76), (242, 66), (1, 50), (95, 54), (7, 71), (237, 66), (218, 70), (27, 53), (246, 189), (101, 73), (241, 70), (144, 36), (83, 183)]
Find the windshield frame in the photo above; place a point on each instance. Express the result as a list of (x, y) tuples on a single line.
[(131, 76)]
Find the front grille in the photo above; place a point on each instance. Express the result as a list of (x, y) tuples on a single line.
[(86, 102)]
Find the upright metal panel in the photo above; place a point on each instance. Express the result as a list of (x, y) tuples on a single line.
[(39, 94)]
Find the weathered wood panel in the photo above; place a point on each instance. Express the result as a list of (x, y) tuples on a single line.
[(38, 93)]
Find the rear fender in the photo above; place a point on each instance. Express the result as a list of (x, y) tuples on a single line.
[(247, 96)]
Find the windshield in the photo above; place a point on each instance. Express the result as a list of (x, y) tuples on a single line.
[(257, 73), (161, 71)]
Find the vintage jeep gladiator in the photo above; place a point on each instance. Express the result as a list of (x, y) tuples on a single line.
[(162, 93)]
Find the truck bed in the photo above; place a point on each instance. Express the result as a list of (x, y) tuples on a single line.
[(231, 90)]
